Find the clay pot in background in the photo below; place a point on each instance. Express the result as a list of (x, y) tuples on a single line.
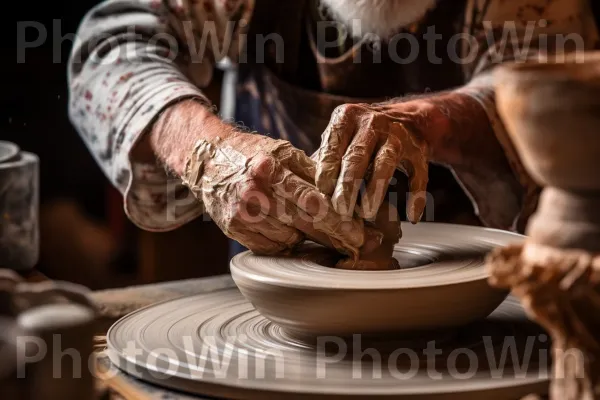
[(19, 203), (552, 113)]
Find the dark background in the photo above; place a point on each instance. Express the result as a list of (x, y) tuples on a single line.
[(33, 101), (77, 244), (85, 236)]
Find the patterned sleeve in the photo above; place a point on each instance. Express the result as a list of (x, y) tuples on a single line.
[(517, 30), (131, 60)]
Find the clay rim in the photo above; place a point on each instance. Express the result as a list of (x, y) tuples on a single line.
[(22, 159), (394, 280), (8, 151)]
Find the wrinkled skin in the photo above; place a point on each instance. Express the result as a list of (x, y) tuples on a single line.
[(259, 192), (363, 143)]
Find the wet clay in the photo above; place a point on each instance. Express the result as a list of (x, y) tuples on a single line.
[(387, 222)]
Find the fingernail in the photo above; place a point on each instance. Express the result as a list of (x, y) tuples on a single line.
[(413, 216), (324, 183), (363, 213)]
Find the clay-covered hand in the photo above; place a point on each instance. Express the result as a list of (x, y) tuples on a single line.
[(387, 222), (366, 144), (260, 192)]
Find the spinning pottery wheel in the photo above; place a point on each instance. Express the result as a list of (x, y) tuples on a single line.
[(218, 344)]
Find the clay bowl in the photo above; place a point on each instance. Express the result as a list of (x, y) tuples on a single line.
[(552, 113), (442, 284)]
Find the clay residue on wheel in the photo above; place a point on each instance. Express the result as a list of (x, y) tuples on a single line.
[(387, 222)]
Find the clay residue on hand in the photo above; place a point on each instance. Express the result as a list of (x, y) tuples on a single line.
[(387, 222)]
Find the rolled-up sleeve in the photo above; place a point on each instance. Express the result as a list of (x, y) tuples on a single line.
[(131, 60)]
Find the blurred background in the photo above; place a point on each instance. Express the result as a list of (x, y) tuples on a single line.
[(85, 236)]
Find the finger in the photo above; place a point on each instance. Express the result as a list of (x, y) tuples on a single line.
[(304, 223), (254, 241), (335, 141), (288, 214), (271, 228), (384, 165), (286, 222), (295, 160), (354, 167), (373, 238), (307, 198), (256, 210), (414, 163), (417, 198), (301, 165)]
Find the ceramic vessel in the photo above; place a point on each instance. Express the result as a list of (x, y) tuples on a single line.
[(552, 114), (19, 198), (443, 284)]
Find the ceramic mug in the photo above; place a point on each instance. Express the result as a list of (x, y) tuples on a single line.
[(19, 208)]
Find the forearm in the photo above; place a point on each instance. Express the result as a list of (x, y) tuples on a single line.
[(118, 83), (454, 124), (172, 137), (124, 88)]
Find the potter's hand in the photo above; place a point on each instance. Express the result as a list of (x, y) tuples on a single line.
[(366, 143), (259, 192)]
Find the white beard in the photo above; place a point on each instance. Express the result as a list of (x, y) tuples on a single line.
[(383, 18)]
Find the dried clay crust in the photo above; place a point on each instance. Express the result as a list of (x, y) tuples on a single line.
[(561, 290)]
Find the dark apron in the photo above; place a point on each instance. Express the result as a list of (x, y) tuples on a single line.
[(294, 100)]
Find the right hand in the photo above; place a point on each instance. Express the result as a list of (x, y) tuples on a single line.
[(366, 144), (260, 192)]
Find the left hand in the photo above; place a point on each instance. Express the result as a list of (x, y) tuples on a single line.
[(365, 143)]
